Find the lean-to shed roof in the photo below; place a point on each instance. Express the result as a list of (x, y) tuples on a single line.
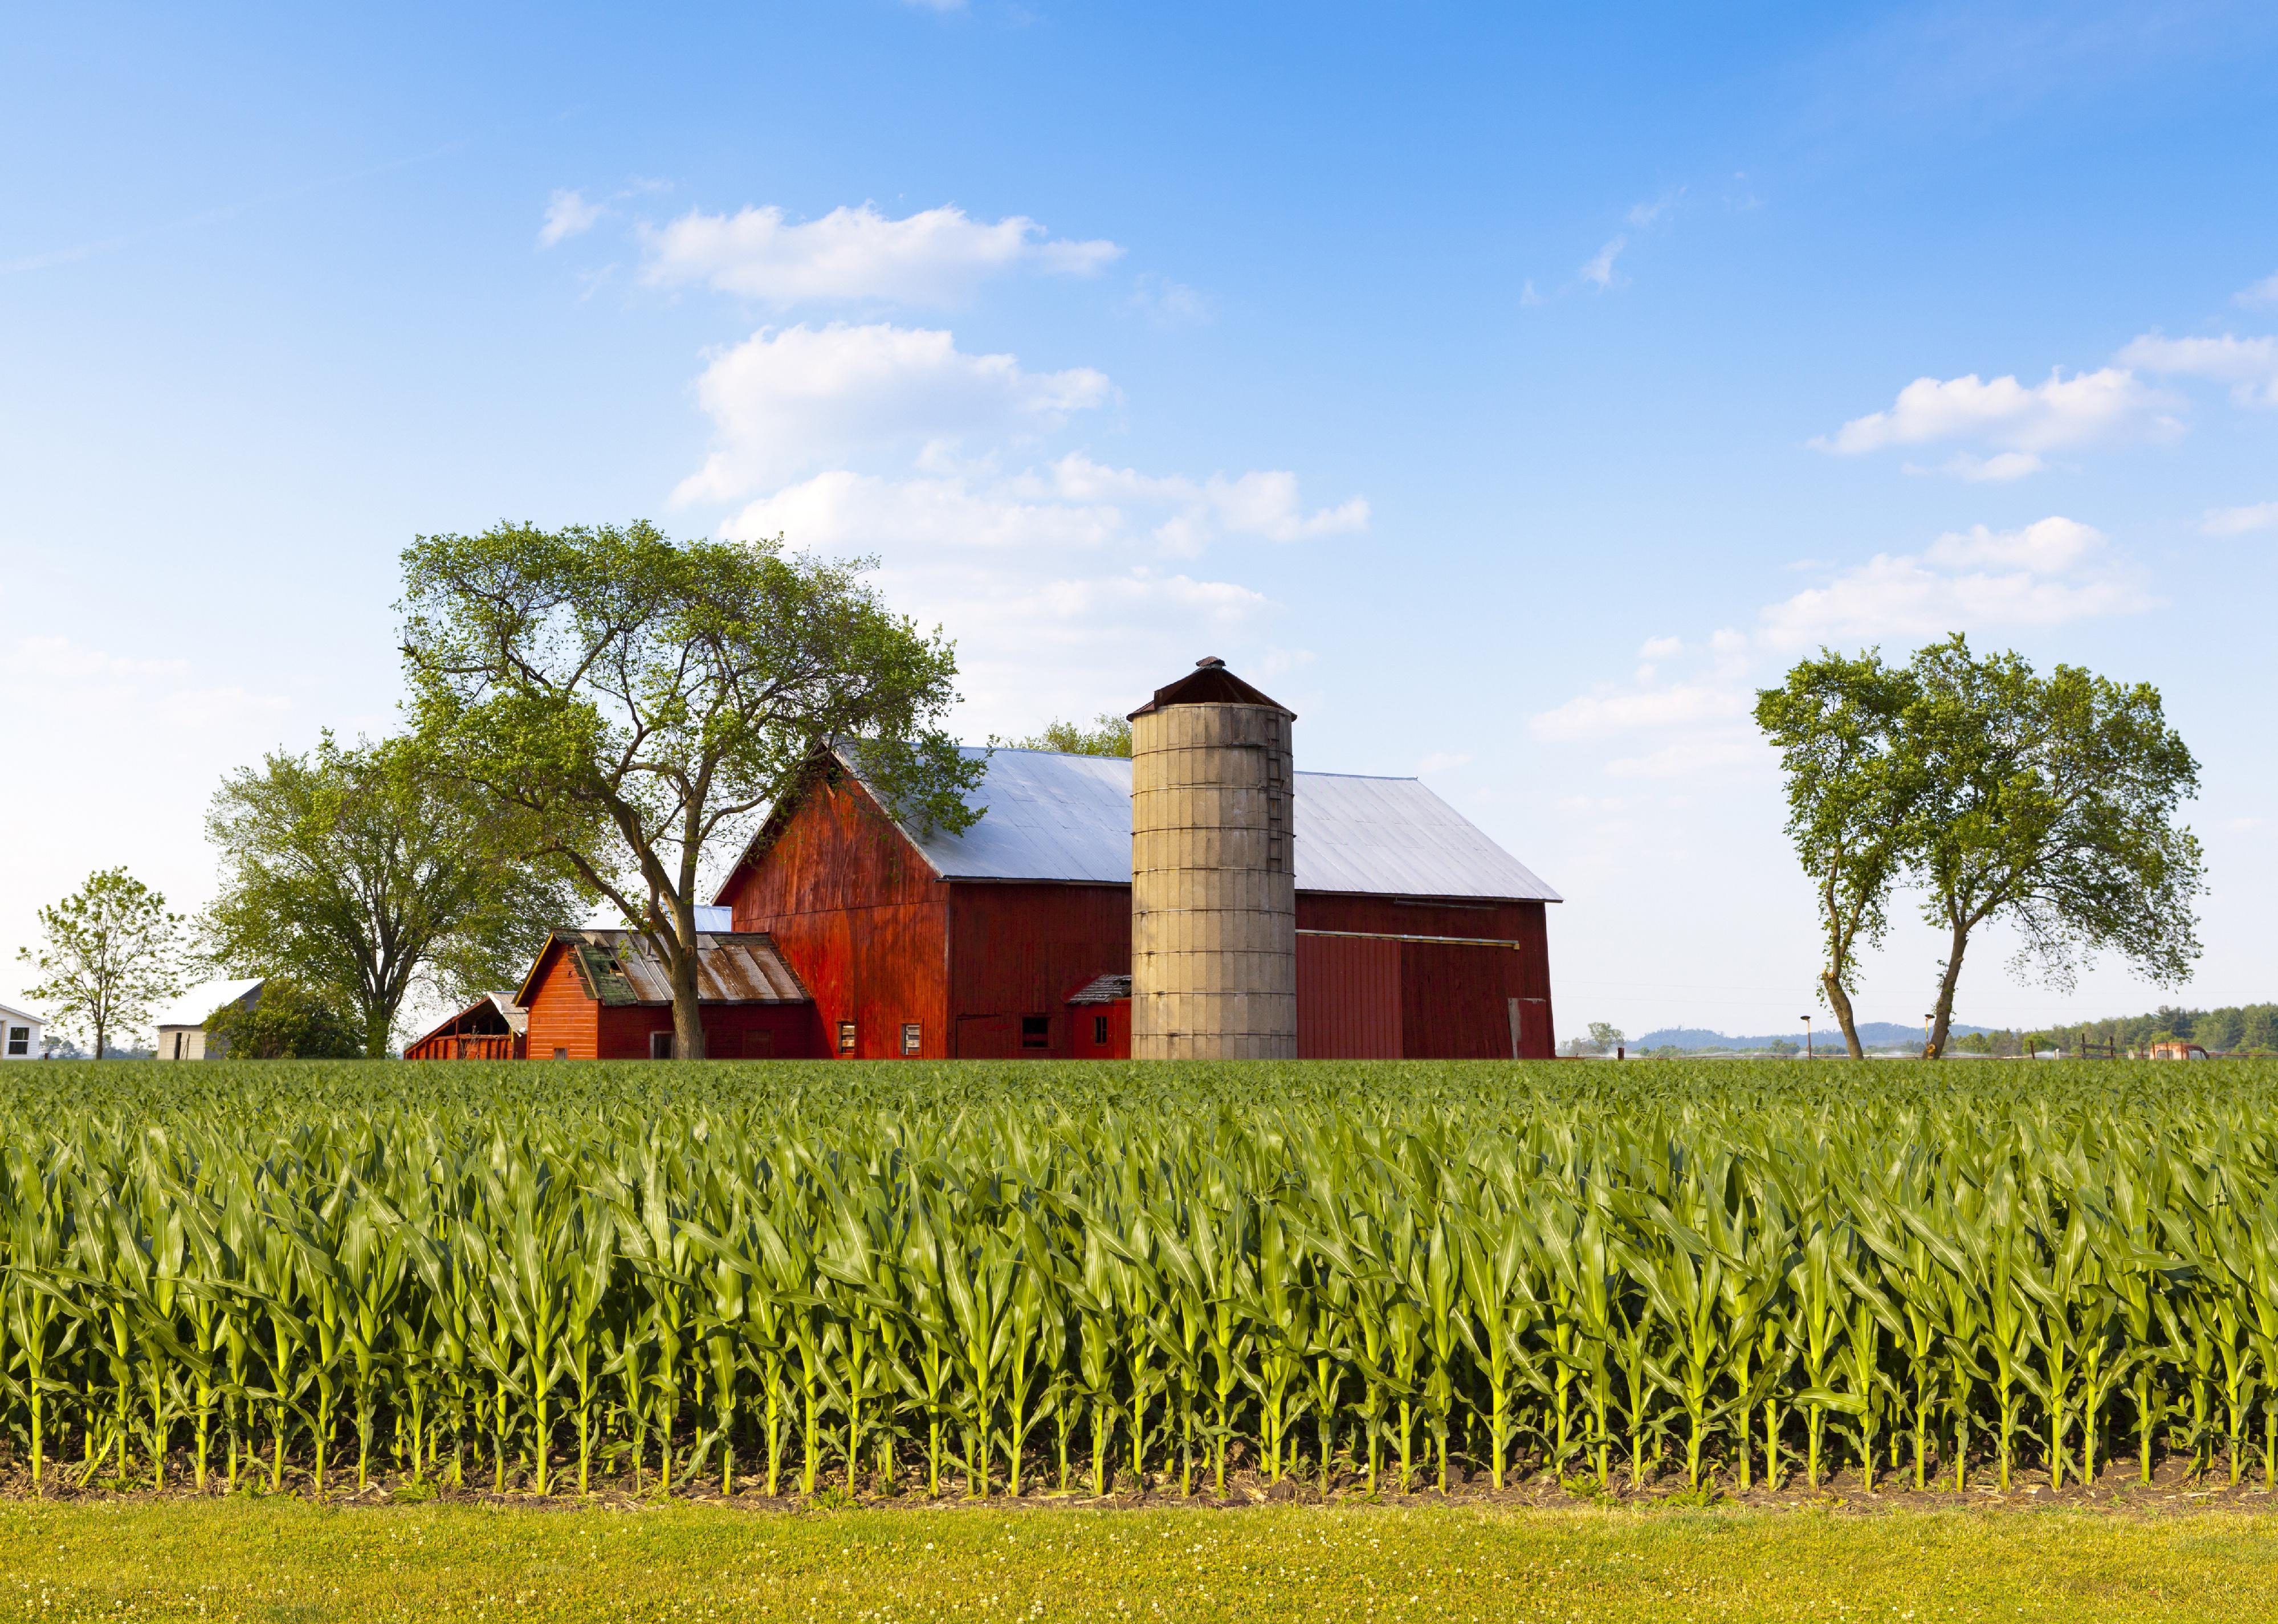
[(1068, 818)]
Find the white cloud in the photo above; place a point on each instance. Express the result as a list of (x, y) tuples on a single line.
[(2240, 520), (1700, 752), (937, 256), (567, 214), (1527, 296), (1598, 272), (2064, 411), (1643, 216), (1661, 648), (1998, 468), (1073, 503), (2048, 573), (1167, 304), (2265, 291), (1589, 716), (789, 398), (2250, 366)]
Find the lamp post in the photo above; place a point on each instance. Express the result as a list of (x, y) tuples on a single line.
[(1926, 1020), (1806, 1037)]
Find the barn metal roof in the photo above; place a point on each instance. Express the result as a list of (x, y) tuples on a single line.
[(1062, 817), (618, 967)]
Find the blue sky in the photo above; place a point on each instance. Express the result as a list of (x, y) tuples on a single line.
[(1508, 390)]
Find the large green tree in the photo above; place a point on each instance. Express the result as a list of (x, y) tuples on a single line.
[(367, 872), (2048, 804), (289, 1021), (1850, 789), (108, 952), (642, 701)]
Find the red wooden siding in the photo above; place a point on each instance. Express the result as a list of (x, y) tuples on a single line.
[(1454, 1001), (1348, 1004), (1085, 1041), (857, 912), (731, 1030), (565, 1020), (1019, 951)]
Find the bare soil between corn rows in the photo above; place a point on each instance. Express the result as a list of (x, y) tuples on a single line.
[(2175, 1489)]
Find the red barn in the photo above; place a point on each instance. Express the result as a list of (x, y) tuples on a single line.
[(602, 994), (1418, 937)]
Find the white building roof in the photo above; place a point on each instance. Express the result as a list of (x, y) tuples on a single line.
[(192, 1008), (9, 1011), (1068, 818)]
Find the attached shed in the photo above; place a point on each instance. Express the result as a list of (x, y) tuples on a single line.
[(493, 1027), (1418, 936), (603, 995)]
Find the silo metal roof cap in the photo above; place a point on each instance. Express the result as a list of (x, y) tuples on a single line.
[(1210, 683)]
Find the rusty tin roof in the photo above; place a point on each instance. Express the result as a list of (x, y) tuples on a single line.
[(616, 967)]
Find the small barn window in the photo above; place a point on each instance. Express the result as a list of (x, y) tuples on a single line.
[(562, 1053), (1099, 1031), (759, 1045), (659, 1046), (846, 1037), (913, 1037), (1035, 1032)]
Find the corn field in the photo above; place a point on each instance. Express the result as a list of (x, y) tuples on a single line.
[(985, 1279)]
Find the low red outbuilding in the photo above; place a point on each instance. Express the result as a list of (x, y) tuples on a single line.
[(1418, 937), (489, 1028), (603, 995)]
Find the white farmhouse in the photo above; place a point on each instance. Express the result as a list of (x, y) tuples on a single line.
[(182, 1025), (20, 1033)]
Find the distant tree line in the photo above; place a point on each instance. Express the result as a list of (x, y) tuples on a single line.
[(2235, 1029)]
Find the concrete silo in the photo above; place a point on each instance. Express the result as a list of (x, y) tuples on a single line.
[(1213, 878)]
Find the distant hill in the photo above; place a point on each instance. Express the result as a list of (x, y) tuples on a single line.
[(1873, 1034)]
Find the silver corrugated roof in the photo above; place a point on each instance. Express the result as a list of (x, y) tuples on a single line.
[(1058, 817)]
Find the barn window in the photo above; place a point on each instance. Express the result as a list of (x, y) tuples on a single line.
[(846, 1037), (562, 1053), (759, 1045), (913, 1037), (1035, 1032), (659, 1046), (1099, 1031)]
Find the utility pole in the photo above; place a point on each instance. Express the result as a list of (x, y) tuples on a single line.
[(1806, 1037), (1926, 1020)]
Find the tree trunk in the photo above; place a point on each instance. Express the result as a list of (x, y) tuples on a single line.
[(377, 1026), (1942, 1015), (687, 1006), (1841, 1002)]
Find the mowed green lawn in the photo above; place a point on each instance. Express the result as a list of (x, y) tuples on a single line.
[(432, 1563)]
